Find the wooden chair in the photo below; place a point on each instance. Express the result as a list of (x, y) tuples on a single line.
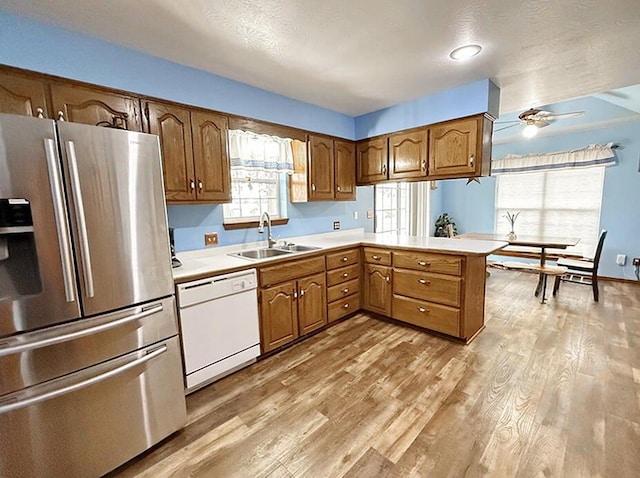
[(582, 271)]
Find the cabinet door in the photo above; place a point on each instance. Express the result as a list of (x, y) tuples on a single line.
[(453, 149), (377, 289), (371, 160), (20, 95), (278, 315), (321, 170), (95, 107), (172, 124), (345, 170), (312, 303), (211, 156), (408, 155)]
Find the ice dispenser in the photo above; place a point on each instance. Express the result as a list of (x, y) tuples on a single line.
[(19, 273)]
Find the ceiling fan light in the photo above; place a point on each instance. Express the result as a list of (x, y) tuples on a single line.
[(465, 52), (530, 131)]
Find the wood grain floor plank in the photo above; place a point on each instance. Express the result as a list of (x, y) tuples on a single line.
[(545, 390)]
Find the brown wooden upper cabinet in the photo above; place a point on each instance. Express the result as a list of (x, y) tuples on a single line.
[(460, 148), (371, 160), (95, 106), (408, 155), (327, 173), (194, 152), (21, 95)]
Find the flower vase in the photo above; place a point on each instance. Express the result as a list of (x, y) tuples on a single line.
[(512, 235)]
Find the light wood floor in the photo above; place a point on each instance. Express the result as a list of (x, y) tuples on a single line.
[(545, 390)]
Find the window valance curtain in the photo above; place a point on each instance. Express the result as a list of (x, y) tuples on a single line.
[(260, 151), (593, 155)]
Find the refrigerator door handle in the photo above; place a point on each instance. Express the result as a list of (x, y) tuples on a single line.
[(81, 218), (14, 404), (62, 224), (13, 346)]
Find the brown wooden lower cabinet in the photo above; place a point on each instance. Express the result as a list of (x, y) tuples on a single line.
[(293, 308), (377, 289), (278, 311)]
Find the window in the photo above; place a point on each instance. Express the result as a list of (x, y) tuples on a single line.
[(391, 205), (259, 166), (554, 203)]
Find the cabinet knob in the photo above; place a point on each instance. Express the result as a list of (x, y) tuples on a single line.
[(422, 309), (345, 290), (424, 281), (388, 279), (200, 185), (346, 306), (313, 188), (60, 115), (39, 112), (384, 169), (192, 183), (345, 259), (423, 263), (376, 258), (471, 159), (346, 274), (424, 164), (338, 188), (302, 293), (295, 294)]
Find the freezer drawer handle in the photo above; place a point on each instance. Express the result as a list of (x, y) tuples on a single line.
[(14, 405), (80, 216), (7, 349), (62, 225)]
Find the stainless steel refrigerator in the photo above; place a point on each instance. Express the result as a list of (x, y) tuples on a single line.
[(90, 366)]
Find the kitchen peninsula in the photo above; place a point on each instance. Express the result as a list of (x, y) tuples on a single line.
[(437, 284)]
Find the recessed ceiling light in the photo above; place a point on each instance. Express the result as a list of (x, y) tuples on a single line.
[(465, 52)]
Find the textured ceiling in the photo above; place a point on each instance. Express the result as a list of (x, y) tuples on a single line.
[(357, 56)]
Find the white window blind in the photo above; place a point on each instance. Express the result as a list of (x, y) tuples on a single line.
[(402, 208), (563, 203)]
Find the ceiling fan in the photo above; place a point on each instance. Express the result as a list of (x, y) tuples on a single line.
[(534, 119)]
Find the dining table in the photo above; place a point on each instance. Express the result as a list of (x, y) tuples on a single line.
[(540, 241)]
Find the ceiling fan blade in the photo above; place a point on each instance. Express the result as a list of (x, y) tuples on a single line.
[(506, 127), (542, 123), (575, 114)]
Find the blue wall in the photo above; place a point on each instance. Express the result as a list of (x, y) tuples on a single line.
[(478, 97), (32, 45), (472, 206)]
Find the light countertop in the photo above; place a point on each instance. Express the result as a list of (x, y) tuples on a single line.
[(203, 262)]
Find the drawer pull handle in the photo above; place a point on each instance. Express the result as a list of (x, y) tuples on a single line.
[(345, 259), (346, 306), (388, 279), (345, 290), (424, 281), (376, 258), (423, 263), (422, 310), (346, 274)]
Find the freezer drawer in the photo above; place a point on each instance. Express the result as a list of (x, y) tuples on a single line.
[(95, 419), (34, 357)]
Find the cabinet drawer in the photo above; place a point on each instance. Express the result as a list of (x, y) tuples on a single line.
[(440, 263), (290, 270), (425, 314), (377, 256), (343, 290), (338, 276), (432, 287), (344, 258), (343, 307)]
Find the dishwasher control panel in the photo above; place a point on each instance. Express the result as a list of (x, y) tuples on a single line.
[(196, 292)]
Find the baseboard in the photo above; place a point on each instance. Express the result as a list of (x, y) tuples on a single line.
[(618, 279)]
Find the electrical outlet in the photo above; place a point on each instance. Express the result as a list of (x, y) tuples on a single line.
[(336, 225), (621, 259), (636, 261), (210, 238), (355, 214)]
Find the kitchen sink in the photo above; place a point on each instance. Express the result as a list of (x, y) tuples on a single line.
[(298, 248), (261, 253)]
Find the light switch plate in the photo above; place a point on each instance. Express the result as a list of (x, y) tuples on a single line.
[(369, 214), (336, 225)]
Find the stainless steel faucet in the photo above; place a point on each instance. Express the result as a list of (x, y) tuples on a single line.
[(271, 241)]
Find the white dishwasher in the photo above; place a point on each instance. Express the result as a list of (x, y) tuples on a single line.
[(220, 326)]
